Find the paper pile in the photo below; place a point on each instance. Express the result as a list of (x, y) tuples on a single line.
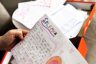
[(66, 17)]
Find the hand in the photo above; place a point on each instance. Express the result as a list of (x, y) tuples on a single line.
[(7, 40)]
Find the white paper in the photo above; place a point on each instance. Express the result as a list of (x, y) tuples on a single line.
[(28, 17), (69, 20), (44, 43), (28, 13), (44, 3)]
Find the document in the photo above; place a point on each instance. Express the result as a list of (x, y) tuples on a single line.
[(46, 44)]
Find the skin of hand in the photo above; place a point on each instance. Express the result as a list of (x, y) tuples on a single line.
[(7, 40)]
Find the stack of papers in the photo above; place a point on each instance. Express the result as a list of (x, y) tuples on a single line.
[(66, 17)]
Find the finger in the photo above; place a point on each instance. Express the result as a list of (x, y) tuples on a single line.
[(17, 33), (24, 32)]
